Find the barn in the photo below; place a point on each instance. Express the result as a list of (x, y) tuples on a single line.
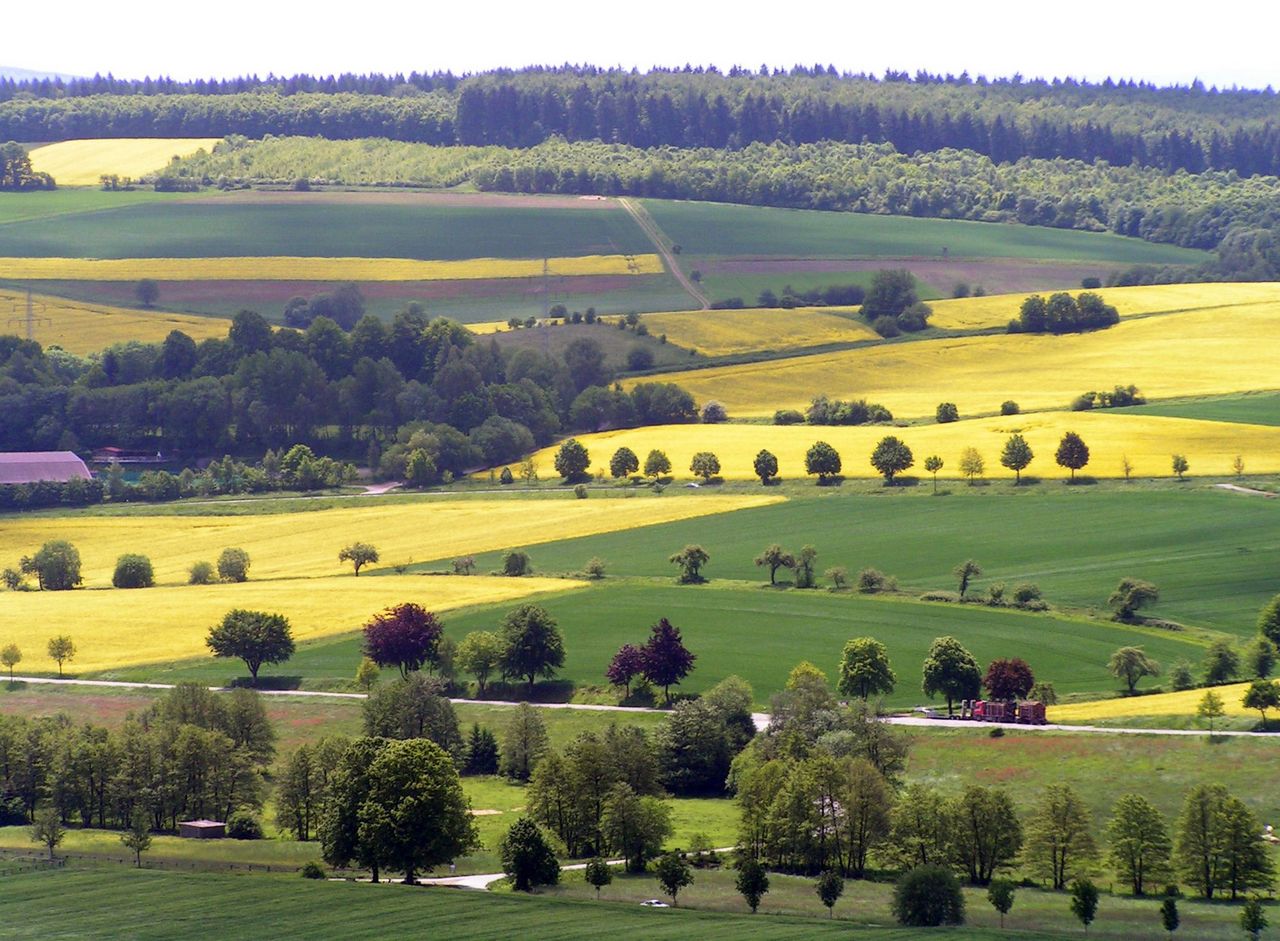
[(29, 467)]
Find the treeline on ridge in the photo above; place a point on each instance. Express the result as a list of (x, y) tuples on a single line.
[(1180, 128)]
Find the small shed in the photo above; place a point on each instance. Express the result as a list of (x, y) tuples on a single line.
[(29, 467), (202, 829)]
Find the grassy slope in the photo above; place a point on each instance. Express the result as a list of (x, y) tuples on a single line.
[(1263, 409), (117, 903), (759, 634), (616, 344), (721, 229), (1214, 555), (221, 226), (15, 207)]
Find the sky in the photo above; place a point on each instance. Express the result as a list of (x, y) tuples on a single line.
[(1166, 43)]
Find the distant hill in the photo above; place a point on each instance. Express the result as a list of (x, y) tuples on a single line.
[(32, 75)]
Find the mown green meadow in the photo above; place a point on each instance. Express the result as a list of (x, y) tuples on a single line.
[(1258, 409), (1213, 554)]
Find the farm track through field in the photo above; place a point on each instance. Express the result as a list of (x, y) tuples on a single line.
[(660, 242), (761, 719)]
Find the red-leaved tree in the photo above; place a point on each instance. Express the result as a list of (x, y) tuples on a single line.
[(666, 659), (1009, 679), (627, 664), (405, 636)]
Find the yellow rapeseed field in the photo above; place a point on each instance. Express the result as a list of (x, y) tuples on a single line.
[(1202, 352), (115, 628), (983, 313), (1148, 443), (1182, 703), (82, 327), (306, 544), (84, 162), (287, 268), (726, 332)]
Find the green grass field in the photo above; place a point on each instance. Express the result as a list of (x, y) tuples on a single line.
[(1260, 409), (615, 343), (717, 285), (759, 634), (719, 229), (380, 228), (1214, 555), (17, 207)]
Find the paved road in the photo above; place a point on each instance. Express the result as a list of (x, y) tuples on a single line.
[(1235, 488), (761, 719)]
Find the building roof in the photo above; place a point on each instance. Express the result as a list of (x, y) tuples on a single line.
[(28, 467), (201, 823)]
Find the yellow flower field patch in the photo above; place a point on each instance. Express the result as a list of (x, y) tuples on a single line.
[(726, 332), (85, 162), (1182, 703), (82, 327), (291, 268), (115, 628), (1148, 443), (1204, 352), (306, 544), (984, 313)]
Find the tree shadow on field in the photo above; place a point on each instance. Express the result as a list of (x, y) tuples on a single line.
[(834, 480), (266, 682), (1081, 480), (544, 691), (978, 482), (1028, 481)]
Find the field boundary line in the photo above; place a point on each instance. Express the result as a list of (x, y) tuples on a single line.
[(661, 242)]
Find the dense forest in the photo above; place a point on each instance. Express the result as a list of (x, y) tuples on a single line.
[(1180, 128), (380, 393)]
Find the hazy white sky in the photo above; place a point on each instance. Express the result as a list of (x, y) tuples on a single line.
[(1165, 42)]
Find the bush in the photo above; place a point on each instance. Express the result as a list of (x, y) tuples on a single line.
[(200, 573), (233, 565), (1009, 407), (1181, 677), (946, 412), (948, 596), (580, 491), (886, 326), (133, 571), (713, 413), (506, 477), (1025, 594), (243, 825), (313, 870), (928, 896), (787, 416), (639, 358), (516, 563), (871, 581)]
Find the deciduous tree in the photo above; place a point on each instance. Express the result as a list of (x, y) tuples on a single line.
[(626, 665), (1059, 841), (406, 636), (1017, 454), (824, 460), (1072, 453), (752, 882), (532, 644), (1009, 678), (775, 557), (864, 669), (1084, 902), (1131, 664), (972, 466), (666, 659), (527, 856), (1130, 595), (480, 654), (891, 457), (1262, 695), (830, 887), (933, 464), (691, 559), (705, 465), (965, 572), (673, 874), (951, 671), (10, 656), (624, 463), (1139, 842), (62, 650), (572, 461), (359, 554), (56, 566), (656, 464), (766, 466)]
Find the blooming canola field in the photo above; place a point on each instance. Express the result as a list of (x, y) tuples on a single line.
[(1148, 443)]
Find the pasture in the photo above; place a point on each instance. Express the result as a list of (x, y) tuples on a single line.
[(1200, 352), (730, 332), (82, 327), (84, 162), (995, 311), (1213, 554), (760, 634), (1250, 409), (1147, 441)]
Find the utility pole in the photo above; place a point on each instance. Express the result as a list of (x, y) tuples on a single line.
[(29, 320)]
